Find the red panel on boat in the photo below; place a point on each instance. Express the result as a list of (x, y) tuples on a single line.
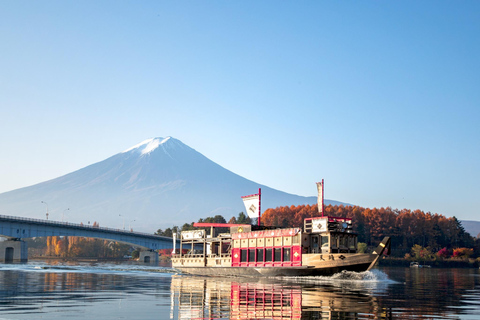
[(240, 235), (297, 255), (235, 257), (256, 234)]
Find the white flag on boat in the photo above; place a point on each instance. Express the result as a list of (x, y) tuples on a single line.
[(320, 197), (252, 205)]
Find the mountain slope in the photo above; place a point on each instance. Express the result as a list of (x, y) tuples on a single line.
[(472, 227), (155, 184)]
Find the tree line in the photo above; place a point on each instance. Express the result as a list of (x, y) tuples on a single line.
[(406, 228)]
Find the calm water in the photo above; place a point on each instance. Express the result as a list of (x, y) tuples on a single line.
[(39, 290)]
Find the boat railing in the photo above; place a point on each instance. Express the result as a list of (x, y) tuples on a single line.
[(188, 255), (193, 256), (220, 256)]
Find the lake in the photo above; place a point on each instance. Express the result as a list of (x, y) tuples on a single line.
[(48, 290)]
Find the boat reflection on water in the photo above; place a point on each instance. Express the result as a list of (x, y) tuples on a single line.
[(244, 298)]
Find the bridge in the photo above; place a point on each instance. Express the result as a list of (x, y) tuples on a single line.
[(17, 228)]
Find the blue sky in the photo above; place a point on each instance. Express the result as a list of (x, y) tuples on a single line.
[(381, 99)]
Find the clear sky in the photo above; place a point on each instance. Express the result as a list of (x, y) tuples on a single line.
[(379, 98)]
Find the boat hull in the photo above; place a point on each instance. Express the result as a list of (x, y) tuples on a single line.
[(318, 265)]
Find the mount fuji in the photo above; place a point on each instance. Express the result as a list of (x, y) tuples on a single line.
[(158, 183)]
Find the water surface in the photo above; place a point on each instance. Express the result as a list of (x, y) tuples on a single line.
[(39, 290)]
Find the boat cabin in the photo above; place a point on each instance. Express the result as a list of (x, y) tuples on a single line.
[(330, 235), (249, 246)]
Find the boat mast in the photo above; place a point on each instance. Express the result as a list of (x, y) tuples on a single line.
[(259, 204), (323, 198)]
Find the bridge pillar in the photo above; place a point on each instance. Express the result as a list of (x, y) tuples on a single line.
[(148, 256), (13, 251)]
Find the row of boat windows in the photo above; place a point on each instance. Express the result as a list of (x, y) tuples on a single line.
[(337, 241), (265, 255)]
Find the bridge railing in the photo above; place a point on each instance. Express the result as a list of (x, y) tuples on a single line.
[(78, 225)]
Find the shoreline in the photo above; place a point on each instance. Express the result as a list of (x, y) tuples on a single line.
[(398, 262), (80, 259)]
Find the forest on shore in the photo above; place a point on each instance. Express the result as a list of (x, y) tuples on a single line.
[(415, 235)]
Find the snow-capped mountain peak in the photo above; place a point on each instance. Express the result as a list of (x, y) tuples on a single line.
[(147, 146), (157, 183)]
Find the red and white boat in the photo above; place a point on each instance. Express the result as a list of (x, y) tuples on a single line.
[(324, 246)]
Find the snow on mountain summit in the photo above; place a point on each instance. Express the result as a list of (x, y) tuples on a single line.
[(149, 145)]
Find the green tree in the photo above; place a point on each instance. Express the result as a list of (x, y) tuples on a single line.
[(167, 232), (187, 226), (458, 236), (135, 254), (361, 247), (217, 219), (243, 219)]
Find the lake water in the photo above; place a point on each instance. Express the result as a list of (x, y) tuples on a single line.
[(40, 290)]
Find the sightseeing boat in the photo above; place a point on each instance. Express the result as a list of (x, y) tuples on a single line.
[(324, 246)]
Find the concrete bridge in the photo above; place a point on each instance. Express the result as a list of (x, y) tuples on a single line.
[(16, 228)]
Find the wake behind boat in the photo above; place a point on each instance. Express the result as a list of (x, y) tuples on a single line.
[(324, 246)]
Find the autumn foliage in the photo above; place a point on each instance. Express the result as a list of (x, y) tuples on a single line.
[(406, 227), (462, 252), (71, 247)]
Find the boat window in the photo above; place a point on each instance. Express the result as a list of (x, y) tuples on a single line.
[(334, 241), (315, 241), (251, 255), (215, 248), (286, 254), (351, 242), (243, 255), (325, 241), (260, 255), (278, 254), (343, 241), (268, 255)]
